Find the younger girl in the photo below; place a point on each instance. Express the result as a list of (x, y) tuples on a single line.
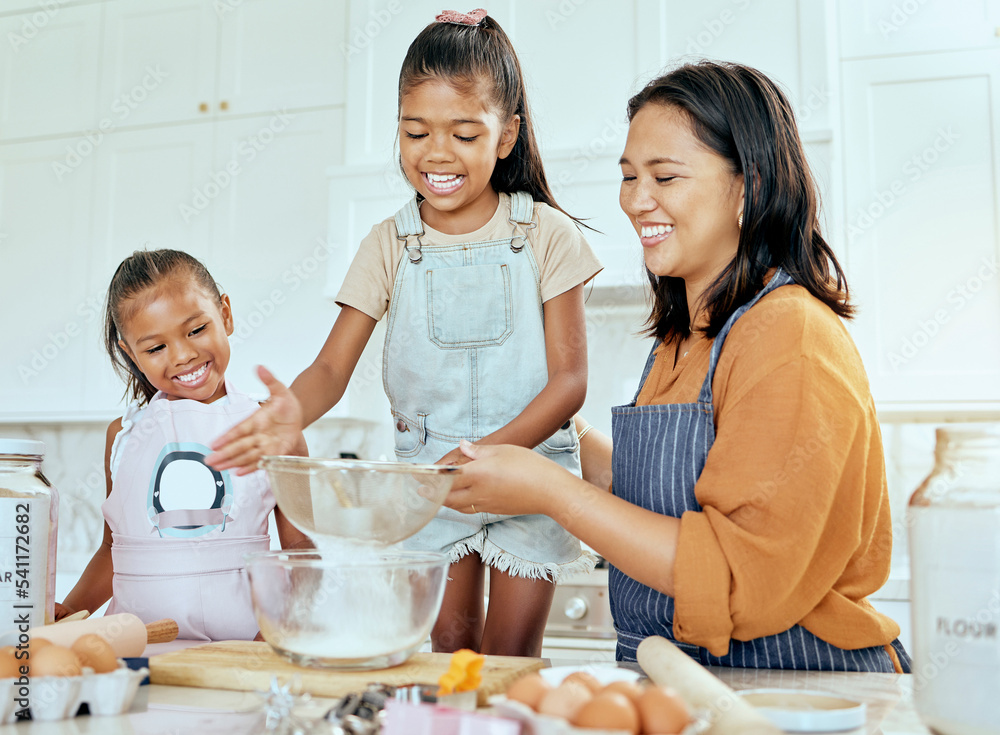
[(481, 278), (175, 529)]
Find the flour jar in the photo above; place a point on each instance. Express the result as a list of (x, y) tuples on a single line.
[(954, 519), (29, 517)]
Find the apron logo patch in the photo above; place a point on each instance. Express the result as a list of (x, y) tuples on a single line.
[(187, 498)]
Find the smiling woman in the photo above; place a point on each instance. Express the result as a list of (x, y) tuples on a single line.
[(742, 504)]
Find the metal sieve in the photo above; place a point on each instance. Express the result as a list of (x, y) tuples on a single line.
[(361, 501)]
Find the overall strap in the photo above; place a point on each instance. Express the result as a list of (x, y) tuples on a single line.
[(408, 224), (780, 278), (522, 208), (645, 371), (522, 213)]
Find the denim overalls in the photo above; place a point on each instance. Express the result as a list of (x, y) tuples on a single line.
[(659, 453), (464, 355)]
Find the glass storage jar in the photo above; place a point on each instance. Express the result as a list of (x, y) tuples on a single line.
[(29, 518), (954, 519)]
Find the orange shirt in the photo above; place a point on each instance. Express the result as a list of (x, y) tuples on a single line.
[(794, 526)]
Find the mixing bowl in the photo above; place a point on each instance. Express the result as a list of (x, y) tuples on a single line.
[(378, 503), (346, 608)]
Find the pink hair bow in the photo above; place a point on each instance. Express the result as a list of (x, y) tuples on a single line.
[(472, 18)]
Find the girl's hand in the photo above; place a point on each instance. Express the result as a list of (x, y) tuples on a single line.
[(454, 457), (275, 429), (506, 480), (62, 611)]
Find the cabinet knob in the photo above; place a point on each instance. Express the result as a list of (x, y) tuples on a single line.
[(575, 608), (223, 105), (203, 107)]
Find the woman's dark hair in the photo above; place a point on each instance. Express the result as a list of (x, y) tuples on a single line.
[(743, 116), (142, 270), (475, 58)]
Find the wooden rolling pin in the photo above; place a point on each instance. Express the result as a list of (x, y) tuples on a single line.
[(126, 633), (666, 664)]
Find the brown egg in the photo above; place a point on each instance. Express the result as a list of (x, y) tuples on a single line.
[(54, 660), (629, 688), (10, 666), (565, 700), (608, 711), (95, 652), (587, 679), (529, 689), (37, 644), (661, 710)]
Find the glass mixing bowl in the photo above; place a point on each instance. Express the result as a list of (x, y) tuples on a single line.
[(375, 503), (346, 608)]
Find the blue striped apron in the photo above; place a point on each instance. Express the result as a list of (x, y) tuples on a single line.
[(659, 453)]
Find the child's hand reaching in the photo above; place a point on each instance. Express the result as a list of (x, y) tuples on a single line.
[(275, 429), (454, 457)]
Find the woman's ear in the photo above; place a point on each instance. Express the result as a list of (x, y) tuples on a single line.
[(509, 136), (227, 314)]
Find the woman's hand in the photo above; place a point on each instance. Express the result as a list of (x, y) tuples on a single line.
[(62, 611), (275, 429), (454, 457), (505, 479)]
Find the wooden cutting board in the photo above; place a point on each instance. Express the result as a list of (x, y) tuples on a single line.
[(249, 665)]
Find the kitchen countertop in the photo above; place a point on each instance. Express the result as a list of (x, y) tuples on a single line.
[(163, 710)]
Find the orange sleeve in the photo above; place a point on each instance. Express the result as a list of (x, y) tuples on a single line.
[(791, 491)]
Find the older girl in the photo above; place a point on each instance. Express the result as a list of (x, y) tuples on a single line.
[(480, 278)]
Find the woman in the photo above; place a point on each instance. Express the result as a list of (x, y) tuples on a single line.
[(749, 517)]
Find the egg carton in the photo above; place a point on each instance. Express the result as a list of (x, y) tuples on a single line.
[(53, 698), (534, 723)]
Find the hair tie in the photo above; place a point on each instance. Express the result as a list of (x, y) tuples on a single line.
[(472, 18)]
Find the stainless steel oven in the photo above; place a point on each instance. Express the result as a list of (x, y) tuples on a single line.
[(579, 627)]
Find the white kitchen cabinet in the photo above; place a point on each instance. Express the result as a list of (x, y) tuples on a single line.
[(921, 155), (144, 179), (49, 316), (159, 59), (281, 54), (269, 238), (883, 27), (46, 7), (49, 63), (222, 58)]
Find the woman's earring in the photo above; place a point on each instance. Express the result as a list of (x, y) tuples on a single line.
[(739, 221)]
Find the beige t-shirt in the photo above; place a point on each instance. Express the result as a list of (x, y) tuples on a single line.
[(564, 257)]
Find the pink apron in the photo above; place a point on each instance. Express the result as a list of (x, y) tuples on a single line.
[(179, 528)]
